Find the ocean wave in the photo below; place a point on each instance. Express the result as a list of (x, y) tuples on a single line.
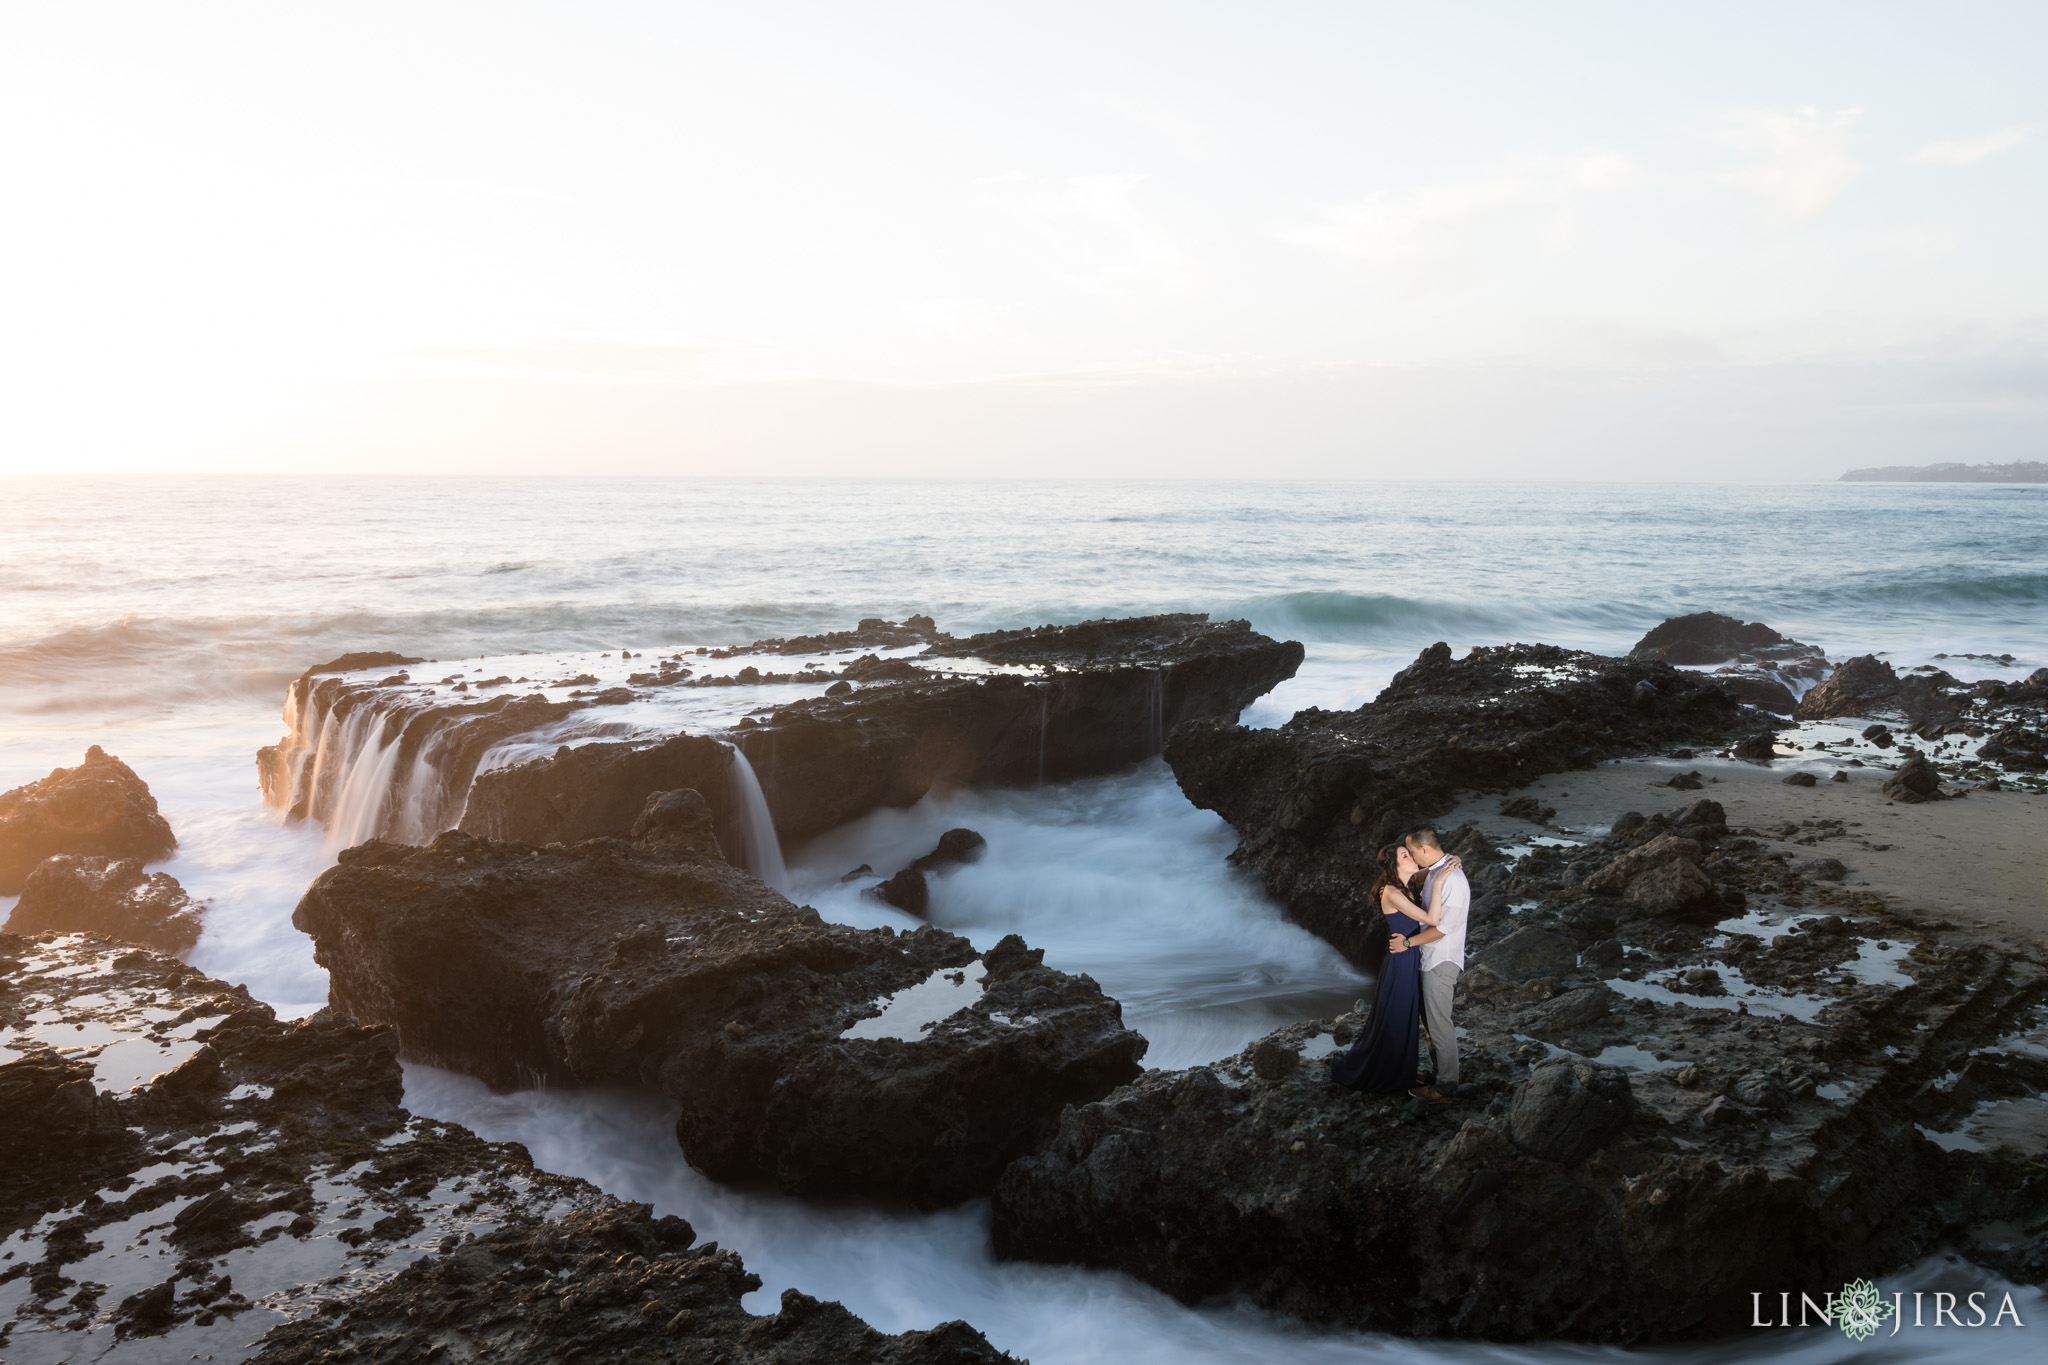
[(1375, 618)]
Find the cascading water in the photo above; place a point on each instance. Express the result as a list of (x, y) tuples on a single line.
[(763, 848), (371, 766), (1155, 713)]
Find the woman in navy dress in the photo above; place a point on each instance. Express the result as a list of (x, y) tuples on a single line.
[(1382, 1059)]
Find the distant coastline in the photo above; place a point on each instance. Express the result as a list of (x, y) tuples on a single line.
[(2020, 471)]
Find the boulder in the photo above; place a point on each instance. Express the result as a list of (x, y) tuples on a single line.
[(1569, 1108), (70, 894), (1857, 687), (98, 808), (1574, 1010), (1528, 954), (1800, 780), (1823, 869), (1761, 748), (1915, 781), (1663, 849), (1760, 690), (656, 962), (1704, 637), (596, 789), (908, 890), (1670, 888)]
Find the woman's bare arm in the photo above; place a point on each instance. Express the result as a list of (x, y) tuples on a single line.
[(1395, 901)]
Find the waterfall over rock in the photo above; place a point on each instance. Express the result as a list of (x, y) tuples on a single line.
[(762, 850)]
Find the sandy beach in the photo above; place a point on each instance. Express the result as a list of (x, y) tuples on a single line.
[(1976, 860)]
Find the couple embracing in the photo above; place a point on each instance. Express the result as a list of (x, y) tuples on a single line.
[(1423, 893)]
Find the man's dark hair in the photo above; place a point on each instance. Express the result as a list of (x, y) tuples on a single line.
[(1425, 835)]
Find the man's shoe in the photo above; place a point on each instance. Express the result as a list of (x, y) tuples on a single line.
[(1430, 1093)]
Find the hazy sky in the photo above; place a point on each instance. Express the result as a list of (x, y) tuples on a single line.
[(1573, 240)]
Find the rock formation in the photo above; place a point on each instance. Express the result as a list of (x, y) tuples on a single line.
[(1314, 800), (1858, 686), (1758, 665), (399, 758), (112, 896), (908, 891), (654, 961), (1114, 689), (1708, 637), (613, 1284), (200, 1172), (1660, 1116), (99, 807)]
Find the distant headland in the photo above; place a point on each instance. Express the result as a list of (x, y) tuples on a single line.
[(2021, 471)]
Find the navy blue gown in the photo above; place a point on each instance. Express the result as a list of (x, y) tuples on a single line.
[(1381, 1061)]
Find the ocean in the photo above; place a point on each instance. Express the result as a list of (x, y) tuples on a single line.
[(162, 618)]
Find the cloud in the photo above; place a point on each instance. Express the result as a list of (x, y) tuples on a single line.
[(1974, 150), (1426, 221), (1090, 234), (1795, 164)]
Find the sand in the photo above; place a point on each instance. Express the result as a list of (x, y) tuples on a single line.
[(1979, 861)]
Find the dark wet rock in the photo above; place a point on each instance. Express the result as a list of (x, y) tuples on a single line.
[(1569, 1108), (656, 962), (1677, 887), (1826, 869), (1113, 689), (1313, 800), (611, 1284), (1758, 690), (1574, 1010), (99, 808), (1529, 953), (1857, 687), (1686, 782), (1916, 780), (1656, 852), (1757, 748), (1117, 687), (112, 896), (597, 789), (1879, 734), (271, 1177), (1800, 780), (908, 891), (1527, 808), (1706, 637), (361, 659), (1706, 1168)]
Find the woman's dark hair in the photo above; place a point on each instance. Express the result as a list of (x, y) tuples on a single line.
[(1389, 860)]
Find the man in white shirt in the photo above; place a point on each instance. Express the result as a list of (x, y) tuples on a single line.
[(1443, 958)]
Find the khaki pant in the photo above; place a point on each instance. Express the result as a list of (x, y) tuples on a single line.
[(1438, 983)]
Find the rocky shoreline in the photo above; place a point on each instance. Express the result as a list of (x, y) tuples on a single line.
[(1702, 1060), (199, 1178), (1672, 1104)]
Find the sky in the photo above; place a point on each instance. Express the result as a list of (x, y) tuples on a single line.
[(1569, 240)]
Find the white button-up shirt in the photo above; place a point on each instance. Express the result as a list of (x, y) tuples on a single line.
[(1456, 910)]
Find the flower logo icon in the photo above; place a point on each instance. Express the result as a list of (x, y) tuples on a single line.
[(1860, 1310)]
